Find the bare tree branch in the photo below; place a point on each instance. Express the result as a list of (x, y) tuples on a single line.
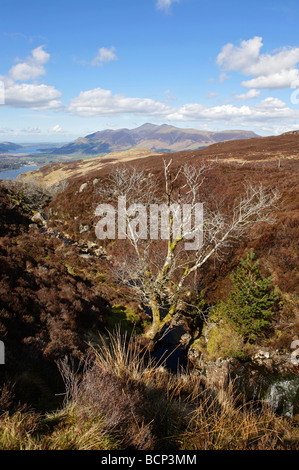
[(158, 270)]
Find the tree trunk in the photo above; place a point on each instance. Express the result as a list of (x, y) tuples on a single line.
[(158, 323), (155, 327)]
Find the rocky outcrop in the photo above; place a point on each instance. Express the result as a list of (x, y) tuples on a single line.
[(39, 218), (82, 187), (266, 376)]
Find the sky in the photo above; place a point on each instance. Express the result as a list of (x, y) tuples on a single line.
[(71, 68)]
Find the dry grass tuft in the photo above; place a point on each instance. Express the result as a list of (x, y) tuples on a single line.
[(121, 399), (222, 422)]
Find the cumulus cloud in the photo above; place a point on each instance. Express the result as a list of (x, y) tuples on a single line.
[(104, 55), (32, 67), (241, 58), (282, 79), (276, 70), (165, 4), (33, 96), (18, 93), (100, 102), (268, 110), (272, 104), (249, 95)]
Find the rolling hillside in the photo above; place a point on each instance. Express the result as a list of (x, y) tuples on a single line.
[(271, 151), (9, 147), (57, 172)]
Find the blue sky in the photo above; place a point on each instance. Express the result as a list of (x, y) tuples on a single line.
[(70, 68)]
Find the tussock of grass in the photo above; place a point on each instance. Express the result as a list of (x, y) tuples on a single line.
[(120, 399), (63, 430), (222, 423), (77, 431), (17, 432)]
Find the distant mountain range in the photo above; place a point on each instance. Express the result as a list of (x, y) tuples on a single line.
[(9, 147), (273, 152), (162, 138)]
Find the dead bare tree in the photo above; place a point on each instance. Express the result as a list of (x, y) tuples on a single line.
[(159, 269)]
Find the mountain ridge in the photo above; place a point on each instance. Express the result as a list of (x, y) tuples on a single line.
[(9, 146), (157, 138), (269, 152)]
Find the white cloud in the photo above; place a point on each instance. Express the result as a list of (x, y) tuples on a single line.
[(278, 129), (30, 130), (273, 104), (27, 95), (32, 67), (282, 79), (249, 95), (270, 110), (104, 55), (30, 95), (195, 112), (276, 70), (99, 102), (56, 129), (240, 58), (165, 4)]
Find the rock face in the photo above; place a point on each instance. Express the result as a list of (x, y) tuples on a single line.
[(268, 377), (82, 187), (39, 218)]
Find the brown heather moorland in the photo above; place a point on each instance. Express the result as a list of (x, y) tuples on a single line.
[(57, 295)]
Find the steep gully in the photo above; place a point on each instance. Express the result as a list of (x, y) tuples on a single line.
[(268, 375)]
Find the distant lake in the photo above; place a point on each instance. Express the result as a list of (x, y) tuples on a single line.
[(26, 150), (12, 174)]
